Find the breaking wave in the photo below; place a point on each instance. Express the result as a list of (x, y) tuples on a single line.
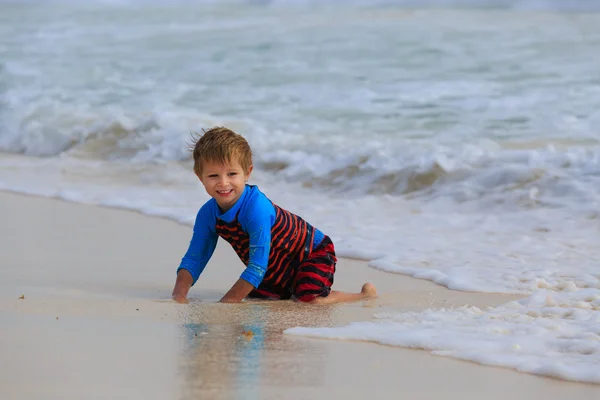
[(530, 174)]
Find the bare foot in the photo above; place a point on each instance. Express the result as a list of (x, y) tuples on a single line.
[(368, 290)]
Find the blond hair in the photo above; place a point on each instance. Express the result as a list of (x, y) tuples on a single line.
[(221, 145)]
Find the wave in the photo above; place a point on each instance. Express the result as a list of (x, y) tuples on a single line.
[(506, 178), (52, 130), (358, 176), (530, 174)]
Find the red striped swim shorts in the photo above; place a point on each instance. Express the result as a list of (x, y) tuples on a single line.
[(314, 276)]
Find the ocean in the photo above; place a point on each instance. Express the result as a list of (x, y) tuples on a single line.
[(454, 141)]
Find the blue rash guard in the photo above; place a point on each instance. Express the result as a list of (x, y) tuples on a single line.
[(256, 215)]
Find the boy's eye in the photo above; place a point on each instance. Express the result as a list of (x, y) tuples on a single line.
[(233, 173), (212, 176)]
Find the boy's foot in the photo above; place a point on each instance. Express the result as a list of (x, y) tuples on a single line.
[(368, 290)]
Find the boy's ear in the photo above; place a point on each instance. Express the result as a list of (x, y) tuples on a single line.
[(249, 171), (200, 177)]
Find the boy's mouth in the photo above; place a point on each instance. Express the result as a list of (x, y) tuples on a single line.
[(224, 192)]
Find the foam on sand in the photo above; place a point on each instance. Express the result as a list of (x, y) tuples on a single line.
[(547, 333)]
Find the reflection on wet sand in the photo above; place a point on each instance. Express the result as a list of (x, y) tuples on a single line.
[(234, 350)]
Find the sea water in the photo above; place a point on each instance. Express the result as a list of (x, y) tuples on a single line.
[(455, 141)]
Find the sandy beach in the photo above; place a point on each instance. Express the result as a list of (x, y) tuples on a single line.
[(85, 312)]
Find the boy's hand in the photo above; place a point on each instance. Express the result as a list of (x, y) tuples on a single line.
[(238, 292), (180, 299), (182, 286)]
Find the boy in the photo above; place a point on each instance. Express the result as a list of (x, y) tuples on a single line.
[(285, 256)]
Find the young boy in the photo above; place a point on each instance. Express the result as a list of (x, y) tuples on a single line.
[(285, 257)]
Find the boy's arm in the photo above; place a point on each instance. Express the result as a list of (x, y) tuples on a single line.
[(182, 286), (257, 266), (202, 245), (257, 219)]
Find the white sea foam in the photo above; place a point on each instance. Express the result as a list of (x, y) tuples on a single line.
[(548, 333)]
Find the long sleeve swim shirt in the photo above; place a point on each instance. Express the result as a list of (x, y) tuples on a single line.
[(255, 215)]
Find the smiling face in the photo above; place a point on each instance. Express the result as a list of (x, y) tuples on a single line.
[(224, 182)]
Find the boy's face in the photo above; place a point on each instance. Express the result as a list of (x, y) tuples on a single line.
[(224, 182)]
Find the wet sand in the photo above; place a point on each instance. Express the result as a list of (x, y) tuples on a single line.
[(96, 321)]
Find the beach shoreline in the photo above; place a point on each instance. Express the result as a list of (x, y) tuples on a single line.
[(96, 321)]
